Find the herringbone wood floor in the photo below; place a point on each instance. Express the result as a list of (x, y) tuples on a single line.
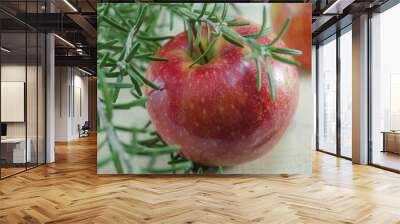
[(69, 191)]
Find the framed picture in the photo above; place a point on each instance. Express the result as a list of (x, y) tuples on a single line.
[(217, 88)]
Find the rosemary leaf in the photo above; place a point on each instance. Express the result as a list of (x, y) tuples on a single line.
[(103, 60), (137, 88), (238, 23), (120, 18), (107, 44), (203, 10), (224, 12), (187, 13), (117, 162), (284, 60), (236, 8), (155, 58), (150, 38), (119, 85), (137, 82), (209, 47), (259, 74), (143, 54), (285, 51), (134, 103), (213, 10), (264, 23), (140, 19), (133, 51), (199, 32), (281, 31), (114, 24), (104, 162), (158, 150), (132, 70), (190, 38), (129, 129), (134, 94), (147, 125), (268, 70), (232, 41), (106, 95), (171, 21), (179, 160), (106, 9), (112, 74), (208, 34), (256, 35)]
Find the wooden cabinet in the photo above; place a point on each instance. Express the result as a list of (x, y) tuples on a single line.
[(391, 142)]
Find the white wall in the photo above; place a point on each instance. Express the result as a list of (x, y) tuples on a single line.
[(70, 83)]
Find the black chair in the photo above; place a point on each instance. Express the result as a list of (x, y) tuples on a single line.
[(84, 130)]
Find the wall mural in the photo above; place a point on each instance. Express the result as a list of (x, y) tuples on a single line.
[(204, 88)]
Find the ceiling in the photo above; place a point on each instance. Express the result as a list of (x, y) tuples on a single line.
[(75, 21), (331, 15), (18, 52)]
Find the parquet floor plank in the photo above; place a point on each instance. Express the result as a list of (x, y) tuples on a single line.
[(70, 191)]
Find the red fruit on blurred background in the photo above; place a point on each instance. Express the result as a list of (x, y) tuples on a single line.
[(214, 111), (298, 35)]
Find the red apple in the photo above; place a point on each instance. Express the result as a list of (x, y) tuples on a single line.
[(298, 35), (214, 111)]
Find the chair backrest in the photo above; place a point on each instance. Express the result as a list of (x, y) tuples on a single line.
[(86, 125)]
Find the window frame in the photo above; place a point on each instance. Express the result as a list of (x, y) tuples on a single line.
[(334, 37)]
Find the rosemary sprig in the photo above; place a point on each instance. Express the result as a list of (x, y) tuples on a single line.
[(125, 47), (203, 55), (222, 28), (263, 25)]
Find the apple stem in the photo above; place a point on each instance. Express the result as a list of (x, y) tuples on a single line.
[(221, 27)]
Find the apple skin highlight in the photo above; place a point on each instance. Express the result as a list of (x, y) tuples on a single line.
[(214, 111)]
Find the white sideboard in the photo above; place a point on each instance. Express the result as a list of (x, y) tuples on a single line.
[(18, 145)]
